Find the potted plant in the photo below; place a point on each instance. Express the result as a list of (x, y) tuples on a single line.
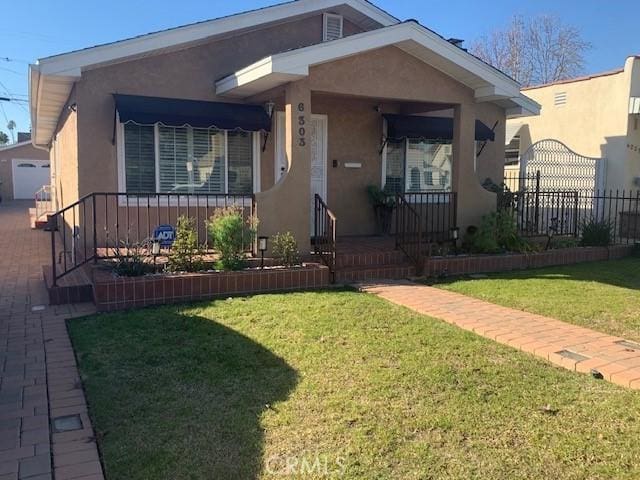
[(383, 203)]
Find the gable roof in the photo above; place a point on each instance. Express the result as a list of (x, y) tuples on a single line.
[(488, 83), (52, 78)]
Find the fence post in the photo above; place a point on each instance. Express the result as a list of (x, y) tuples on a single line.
[(575, 214), (53, 249), (95, 232), (536, 208)]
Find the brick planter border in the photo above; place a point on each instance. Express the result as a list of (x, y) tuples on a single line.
[(118, 293), (470, 264)]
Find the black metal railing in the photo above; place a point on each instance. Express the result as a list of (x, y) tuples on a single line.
[(516, 181), (324, 234), (409, 231), (98, 224), (557, 212)]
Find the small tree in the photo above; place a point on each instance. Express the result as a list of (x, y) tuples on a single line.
[(285, 249), (186, 254), (4, 139), (230, 234)]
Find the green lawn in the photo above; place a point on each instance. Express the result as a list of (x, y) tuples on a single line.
[(604, 296), (342, 385)]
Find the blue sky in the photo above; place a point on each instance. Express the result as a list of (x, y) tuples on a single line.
[(34, 29)]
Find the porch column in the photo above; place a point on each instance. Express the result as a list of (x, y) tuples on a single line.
[(474, 201), (287, 206)]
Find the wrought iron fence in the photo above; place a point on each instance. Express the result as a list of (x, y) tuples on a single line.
[(568, 212), (99, 224)]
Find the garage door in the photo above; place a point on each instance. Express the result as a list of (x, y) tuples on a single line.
[(29, 176)]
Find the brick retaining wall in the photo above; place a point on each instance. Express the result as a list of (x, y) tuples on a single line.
[(470, 264), (118, 293)]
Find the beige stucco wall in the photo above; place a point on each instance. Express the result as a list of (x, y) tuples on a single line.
[(594, 121), (24, 152), (64, 155), (188, 74)]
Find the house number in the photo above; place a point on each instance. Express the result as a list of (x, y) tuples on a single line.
[(301, 126)]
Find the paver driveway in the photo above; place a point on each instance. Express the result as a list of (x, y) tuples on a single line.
[(570, 346), (38, 375)]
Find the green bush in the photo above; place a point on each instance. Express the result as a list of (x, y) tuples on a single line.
[(129, 260), (497, 233), (230, 234), (596, 233), (186, 254), (285, 249)]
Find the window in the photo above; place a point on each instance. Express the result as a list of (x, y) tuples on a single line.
[(188, 160), (512, 151), (418, 165), (332, 27)]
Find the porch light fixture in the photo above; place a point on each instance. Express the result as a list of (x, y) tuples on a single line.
[(262, 246), (455, 234), (268, 107), (155, 249)]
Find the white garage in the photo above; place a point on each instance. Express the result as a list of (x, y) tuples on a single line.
[(29, 176)]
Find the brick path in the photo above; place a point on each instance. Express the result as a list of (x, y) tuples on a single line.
[(541, 336), (38, 375)]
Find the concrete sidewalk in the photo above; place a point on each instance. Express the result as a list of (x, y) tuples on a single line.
[(570, 346), (39, 380)]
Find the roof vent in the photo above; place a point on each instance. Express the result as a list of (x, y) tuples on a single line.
[(560, 99), (456, 41), (332, 27)]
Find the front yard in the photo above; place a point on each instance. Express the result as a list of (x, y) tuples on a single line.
[(604, 296), (338, 384)]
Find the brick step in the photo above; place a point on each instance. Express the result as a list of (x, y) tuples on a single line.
[(374, 259), (365, 273), (74, 288)]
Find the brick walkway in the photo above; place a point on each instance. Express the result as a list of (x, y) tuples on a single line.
[(570, 346), (38, 375)]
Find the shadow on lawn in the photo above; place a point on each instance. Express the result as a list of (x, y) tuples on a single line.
[(193, 392), (624, 273)]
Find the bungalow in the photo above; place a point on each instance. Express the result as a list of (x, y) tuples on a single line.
[(306, 100)]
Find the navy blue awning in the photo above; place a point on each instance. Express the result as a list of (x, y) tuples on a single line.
[(432, 128), (175, 112)]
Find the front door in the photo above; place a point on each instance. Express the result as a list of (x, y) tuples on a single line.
[(318, 144)]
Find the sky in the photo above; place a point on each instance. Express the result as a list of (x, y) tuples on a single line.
[(35, 29)]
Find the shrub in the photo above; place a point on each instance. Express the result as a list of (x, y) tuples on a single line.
[(285, 249), (596, 233), (186, 254), (230, 234), (497, 233), (129, 260)]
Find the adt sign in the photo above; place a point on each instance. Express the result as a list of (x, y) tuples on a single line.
[(166, 234)]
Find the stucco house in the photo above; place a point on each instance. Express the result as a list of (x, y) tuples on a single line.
[(596, 116), (308, 97)]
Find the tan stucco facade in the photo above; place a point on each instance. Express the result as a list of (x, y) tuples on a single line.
[(351, 92), (594, 121), (7, 155)]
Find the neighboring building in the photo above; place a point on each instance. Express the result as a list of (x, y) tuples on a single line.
[(308, 97), (595, 116), (23, 169)]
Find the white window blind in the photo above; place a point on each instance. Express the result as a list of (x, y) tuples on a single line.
[(240, 148), (189, 160), (140, 162)]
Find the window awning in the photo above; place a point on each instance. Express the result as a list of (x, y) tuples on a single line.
[(175, 112), (434, 128)]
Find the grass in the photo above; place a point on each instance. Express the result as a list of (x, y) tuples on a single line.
[(338, 384), (604, 296)]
